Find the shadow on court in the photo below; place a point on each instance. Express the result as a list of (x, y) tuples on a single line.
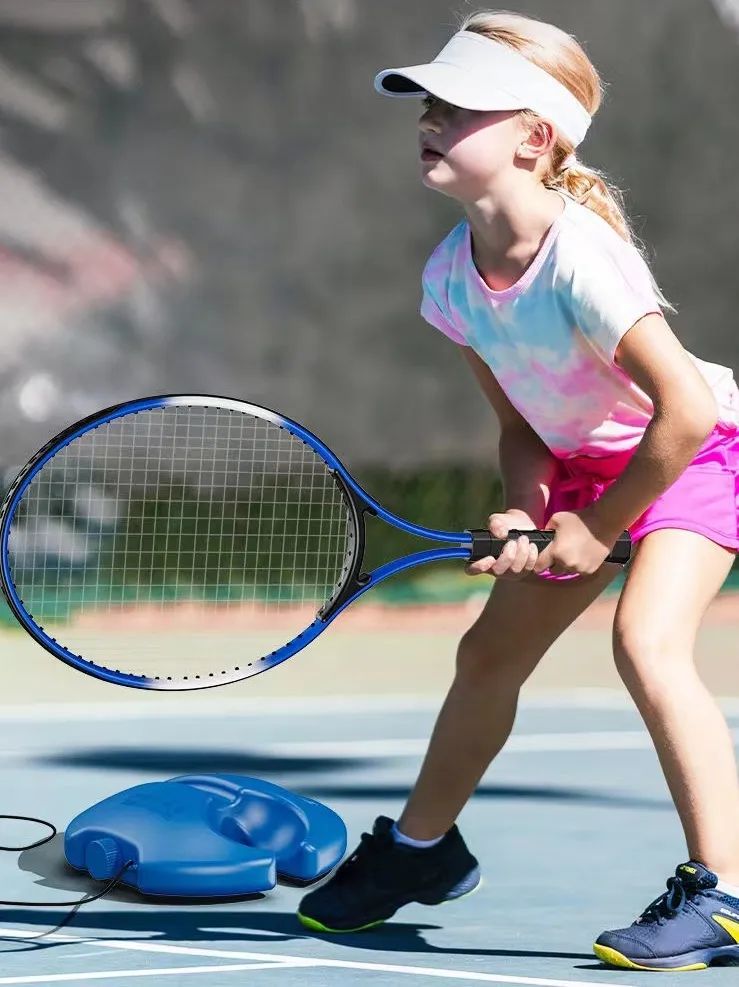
[(249, 926), (197, 761), (271, 768)]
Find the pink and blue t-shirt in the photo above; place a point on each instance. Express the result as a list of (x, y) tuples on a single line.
[(550, 338)]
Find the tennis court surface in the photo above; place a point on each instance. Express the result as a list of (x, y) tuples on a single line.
[(573, 824)]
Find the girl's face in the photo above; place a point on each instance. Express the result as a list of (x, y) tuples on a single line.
[(463, 150)]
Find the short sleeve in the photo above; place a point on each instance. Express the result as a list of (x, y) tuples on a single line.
[(612, 288), (431, 306)]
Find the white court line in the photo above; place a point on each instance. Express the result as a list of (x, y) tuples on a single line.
[(298, 961), (405, 747), (78, 956), (524, 743), (49, 978), (603, 740)]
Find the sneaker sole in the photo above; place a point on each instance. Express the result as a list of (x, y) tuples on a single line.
[(315, 926), (698, 960)]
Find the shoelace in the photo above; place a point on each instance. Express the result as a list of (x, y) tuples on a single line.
[(670, 902)]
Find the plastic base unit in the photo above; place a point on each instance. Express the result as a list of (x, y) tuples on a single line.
[(206, 836)]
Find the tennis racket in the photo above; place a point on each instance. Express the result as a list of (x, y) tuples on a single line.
[(188, 541)]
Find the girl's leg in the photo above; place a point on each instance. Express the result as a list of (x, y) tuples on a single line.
[(518, 625), (671, 580)]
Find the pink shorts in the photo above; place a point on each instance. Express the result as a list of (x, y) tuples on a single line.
[(704, 498)]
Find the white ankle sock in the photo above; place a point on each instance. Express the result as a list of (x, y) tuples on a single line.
[(730, 889), (402, 838)]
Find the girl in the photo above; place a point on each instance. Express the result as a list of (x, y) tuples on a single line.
[(606, 423)]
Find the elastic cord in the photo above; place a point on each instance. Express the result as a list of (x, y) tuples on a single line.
[(43, 904)]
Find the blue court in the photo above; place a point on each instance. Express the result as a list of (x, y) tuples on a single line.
[(572, 825)]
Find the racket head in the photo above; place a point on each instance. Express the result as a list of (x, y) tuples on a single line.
[(73, 550)]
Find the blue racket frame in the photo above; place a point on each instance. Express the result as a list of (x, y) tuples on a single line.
[(355, 583)]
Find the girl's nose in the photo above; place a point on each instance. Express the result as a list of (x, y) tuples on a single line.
[(427, 124)]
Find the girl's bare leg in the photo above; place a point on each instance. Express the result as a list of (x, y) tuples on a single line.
[(672, 579), (519, 623)]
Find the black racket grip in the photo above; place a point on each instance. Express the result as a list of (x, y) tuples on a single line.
[(484, 544)]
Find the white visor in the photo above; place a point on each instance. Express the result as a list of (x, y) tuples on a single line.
[(477, 73)]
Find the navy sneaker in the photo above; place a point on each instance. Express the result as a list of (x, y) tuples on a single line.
[(689, 926), (382, 875)]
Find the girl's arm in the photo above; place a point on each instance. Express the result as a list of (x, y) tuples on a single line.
[(527, 465), (685, 412)]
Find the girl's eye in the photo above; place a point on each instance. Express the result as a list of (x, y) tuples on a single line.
[(434, 103)]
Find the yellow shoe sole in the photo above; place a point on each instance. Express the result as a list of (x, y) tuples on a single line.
[(612, 956), (315, 926)]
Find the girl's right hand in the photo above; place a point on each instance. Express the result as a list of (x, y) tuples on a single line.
[(518, 557)]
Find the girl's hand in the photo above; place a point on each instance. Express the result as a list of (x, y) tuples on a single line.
[(574, 549), (517, 558)]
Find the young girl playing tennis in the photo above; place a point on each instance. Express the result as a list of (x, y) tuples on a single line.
[(607, 423)]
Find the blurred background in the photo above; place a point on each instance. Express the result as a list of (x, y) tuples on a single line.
[(212, 198), (209, 196)]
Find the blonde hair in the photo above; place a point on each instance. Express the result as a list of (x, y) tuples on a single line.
[(562, 56)]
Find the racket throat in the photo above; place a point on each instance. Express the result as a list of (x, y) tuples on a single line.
[(353, 580)]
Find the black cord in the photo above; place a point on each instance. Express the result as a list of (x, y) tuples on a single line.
[(43, 904)]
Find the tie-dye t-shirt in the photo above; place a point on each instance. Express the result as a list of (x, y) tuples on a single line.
[(550, 338)]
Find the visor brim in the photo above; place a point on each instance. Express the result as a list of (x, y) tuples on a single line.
[(450, 83)]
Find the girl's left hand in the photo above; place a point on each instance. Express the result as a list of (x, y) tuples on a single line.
[(574, 549)]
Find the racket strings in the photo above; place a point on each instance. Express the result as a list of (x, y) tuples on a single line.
[(194, 522)]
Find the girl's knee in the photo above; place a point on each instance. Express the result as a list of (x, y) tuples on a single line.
[(472, 651), (479, 657), (645, 660)]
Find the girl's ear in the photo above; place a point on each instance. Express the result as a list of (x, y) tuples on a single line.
[(541, 138)]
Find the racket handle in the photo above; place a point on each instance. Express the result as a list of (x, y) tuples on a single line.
[(484, 544)]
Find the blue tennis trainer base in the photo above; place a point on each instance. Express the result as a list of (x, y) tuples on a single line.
[(206, 836)]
